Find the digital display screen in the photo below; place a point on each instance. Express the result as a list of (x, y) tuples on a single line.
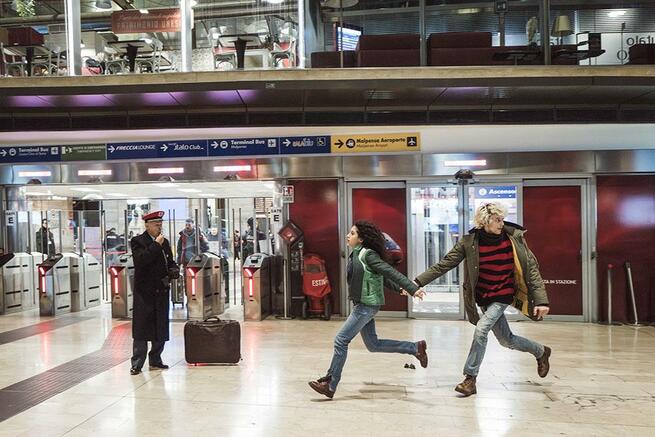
[(346, 37)]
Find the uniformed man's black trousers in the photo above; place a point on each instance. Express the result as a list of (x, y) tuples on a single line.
[(140, 349)]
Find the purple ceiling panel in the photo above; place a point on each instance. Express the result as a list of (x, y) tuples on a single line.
[(79, 100), (142, 99), (25, 102), (218, 98)]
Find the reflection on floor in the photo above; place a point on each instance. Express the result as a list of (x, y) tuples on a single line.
[(601, 383)]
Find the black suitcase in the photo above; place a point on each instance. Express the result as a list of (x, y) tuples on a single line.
[(212, 341)]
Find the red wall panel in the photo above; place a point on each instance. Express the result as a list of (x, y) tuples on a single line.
[(626, 232), (316, 211), (553, 214), (386, 208)]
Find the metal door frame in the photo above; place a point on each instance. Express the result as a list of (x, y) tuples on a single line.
[(346, 304), (412, 262), (587, 231), (463, 219)]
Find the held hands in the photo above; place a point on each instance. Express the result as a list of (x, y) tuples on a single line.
[(160, 239), (420, 294), (540, 311)]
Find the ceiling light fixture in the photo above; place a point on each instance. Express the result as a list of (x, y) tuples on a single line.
[(105, 172), (466, 163), (85, 190), (166, 170), (103, 4), (117, 195), (615, 14), (34, 174), (229, 168), (189, 190)]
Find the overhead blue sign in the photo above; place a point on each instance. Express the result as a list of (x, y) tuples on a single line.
[(132, 150), (243, 146), (29, 154), (308, 144), (157, 149), (182, 149), (496, 192)]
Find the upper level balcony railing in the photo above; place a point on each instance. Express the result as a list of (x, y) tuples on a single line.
[(100, 37)]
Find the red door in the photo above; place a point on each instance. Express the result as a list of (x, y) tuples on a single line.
[(553, 217), (386, 207)]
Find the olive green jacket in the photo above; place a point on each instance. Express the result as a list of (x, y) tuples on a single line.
[(529, 287), (382, 275)]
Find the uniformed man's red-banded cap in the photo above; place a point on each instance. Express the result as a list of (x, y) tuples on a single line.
[(156, 216)]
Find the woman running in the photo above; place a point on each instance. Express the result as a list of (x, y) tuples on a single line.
[(368, 274)]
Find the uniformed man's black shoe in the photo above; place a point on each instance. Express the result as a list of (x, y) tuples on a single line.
[(160, 366), (134, 371)]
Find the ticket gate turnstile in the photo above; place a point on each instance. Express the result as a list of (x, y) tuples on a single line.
[(257, 285), (122, 285), (55, 284), (85, 282), (203, 280), (17, 291)]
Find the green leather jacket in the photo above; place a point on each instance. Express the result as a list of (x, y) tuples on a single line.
[(381, 275), (526, 270)]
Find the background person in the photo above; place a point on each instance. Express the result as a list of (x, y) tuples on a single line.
[(45, 241), (186, 243)]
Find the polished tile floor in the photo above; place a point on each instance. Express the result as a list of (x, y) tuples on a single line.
[(602, 383)]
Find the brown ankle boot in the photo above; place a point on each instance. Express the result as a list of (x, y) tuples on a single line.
[(543, 366), (467, 387), (322, 386), (422, 354)]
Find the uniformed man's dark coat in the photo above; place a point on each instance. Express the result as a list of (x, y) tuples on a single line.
[(151, 290)]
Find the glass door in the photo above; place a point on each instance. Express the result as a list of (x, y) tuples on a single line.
[(437, 220), (435, 228)]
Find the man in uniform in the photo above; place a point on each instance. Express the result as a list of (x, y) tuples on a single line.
[(154, 267)]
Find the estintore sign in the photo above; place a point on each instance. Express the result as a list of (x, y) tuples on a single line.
[(287, 193)]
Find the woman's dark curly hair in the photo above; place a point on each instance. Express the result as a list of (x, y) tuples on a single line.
[(372, 238)]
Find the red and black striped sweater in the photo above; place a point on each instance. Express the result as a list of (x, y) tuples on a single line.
[(496, 269)]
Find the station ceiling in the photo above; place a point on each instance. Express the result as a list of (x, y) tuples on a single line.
[(555, 94)]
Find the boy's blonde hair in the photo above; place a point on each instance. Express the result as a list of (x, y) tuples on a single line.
[(485, 211)]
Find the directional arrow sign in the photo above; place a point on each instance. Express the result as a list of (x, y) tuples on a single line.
[(84, 152), (183, 149), (244, 147), (303, 145), (30, 154), (214, 145), (111, 149), (376, 143)]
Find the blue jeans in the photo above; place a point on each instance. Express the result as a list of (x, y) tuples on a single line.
[(494, 320), (361, 321)]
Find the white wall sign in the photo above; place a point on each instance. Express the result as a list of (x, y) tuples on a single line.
[(10, 218), (287, 193)]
